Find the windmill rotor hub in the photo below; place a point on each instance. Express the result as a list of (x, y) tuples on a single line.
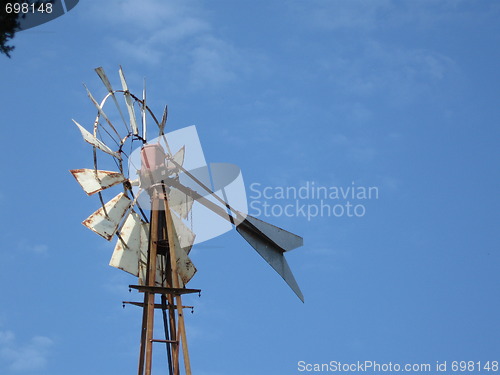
[(154, 172), (152, 156)]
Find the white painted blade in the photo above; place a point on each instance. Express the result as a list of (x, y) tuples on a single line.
[(177, 158), (97, 105), (180, 202), (129, 102), (183, 241), (184, 235), (143, 260), (285, 240), (93, 181), (89, 138), (107, 225), (105, 80), (127, 250), (101, 111)]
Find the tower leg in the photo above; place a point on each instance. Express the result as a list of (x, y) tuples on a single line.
[(175, 282), (161, 228)]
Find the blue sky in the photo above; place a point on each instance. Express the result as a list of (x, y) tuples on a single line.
[(400, 95)]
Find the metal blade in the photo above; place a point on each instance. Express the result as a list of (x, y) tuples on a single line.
[(105, 221), (184, 235), (101, 112), (177, 159), (105, 80), (163, 121), (180, 202), (93, 181), (285, 240), (183, 240), (143, 255), (127, 250), (89, 138), (272, 253), (129, 102), (143, 259)]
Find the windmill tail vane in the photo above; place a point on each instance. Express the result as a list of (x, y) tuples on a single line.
[(169, 203)]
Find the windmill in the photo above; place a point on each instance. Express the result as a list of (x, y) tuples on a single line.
[(162, 187)]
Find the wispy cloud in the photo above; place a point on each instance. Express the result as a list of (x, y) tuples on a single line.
[(372, 64), (362, 16), (33, 247), (174, 33), (400, 74), (358, 14), (30, 356)]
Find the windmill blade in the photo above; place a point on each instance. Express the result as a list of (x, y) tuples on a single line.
[(163, 121), (101, 111), (183, 241), (105, 81), (129, 102), (89, 138), (143, 253), (105, 220), (93, 181), (177, 159), (272, 253), (128, 247), (183, 234), (180, 202)]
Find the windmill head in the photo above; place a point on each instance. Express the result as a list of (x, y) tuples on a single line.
[(207, 200)]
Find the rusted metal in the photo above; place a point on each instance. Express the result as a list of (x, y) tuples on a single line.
[(166, 341), (106, 225), (163, 290), (157, 305), (149, 295), (175, 284), (93, 181)]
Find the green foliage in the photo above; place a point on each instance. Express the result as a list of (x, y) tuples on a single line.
[(9, 24)]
